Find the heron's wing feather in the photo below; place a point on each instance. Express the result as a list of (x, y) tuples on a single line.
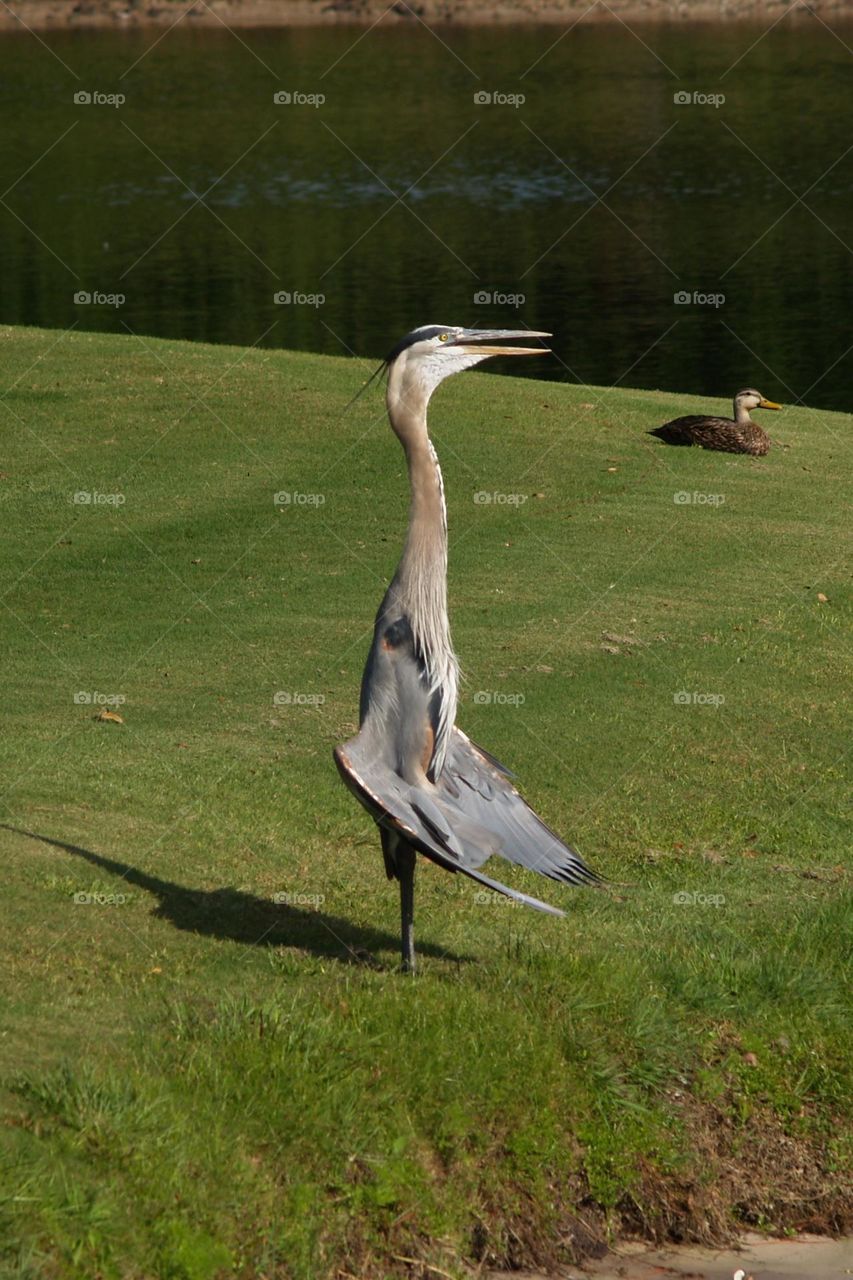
[(473, 789), (487, 755), (453, 840)]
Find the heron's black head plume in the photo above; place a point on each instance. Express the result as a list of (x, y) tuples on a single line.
[(425, 332), (376, 374)]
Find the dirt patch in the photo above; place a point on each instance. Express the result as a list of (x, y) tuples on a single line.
[(754, 1174)]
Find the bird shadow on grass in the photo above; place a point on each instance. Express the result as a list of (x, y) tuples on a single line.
[(234, 916)]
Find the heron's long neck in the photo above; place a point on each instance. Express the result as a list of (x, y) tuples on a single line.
[(420, 583)]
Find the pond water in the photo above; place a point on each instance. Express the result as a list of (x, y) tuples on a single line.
[(401, 199)]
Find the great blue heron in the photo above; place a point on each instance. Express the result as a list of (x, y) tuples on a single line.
[(727, 435), (430, 789)]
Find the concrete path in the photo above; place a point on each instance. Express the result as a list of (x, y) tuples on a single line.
[(804, 1258)]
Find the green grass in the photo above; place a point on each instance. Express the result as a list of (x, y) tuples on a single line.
[(199, 1081)]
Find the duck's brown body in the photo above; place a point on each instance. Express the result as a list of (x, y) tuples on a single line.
[(723, 434), (727, 435)]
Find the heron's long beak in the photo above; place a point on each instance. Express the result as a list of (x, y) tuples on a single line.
[(768, 404), (479, 342)]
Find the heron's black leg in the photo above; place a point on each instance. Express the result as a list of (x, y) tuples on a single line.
[(406, 875)]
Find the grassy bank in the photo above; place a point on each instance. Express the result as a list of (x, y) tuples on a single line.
[(210, 1066)]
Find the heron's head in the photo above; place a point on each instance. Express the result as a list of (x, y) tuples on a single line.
[(428, 355), (752, 399)]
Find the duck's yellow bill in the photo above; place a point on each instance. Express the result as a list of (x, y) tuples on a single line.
[(768, 404)]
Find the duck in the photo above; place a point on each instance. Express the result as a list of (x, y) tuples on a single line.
[(728, 435)]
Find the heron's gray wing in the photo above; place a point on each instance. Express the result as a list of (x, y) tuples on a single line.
[(455, 842), (474, 787)]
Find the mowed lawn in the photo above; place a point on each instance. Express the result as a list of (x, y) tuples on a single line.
[(210, 1064)]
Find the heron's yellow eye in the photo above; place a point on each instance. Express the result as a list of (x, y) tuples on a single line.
[(442, 337)]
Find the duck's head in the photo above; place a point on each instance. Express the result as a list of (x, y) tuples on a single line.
[(749, 399)]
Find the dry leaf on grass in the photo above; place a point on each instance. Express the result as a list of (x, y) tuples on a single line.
[(106, 714)]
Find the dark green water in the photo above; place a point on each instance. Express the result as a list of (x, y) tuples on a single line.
[(598, 199)]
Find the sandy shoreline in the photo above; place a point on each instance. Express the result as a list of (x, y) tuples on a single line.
[(45, 15)]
